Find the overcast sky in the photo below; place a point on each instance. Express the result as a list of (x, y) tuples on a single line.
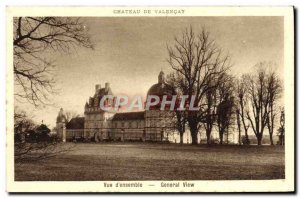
[(130, 52)]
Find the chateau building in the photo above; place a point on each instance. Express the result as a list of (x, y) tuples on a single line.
[(148, 125), (98, 124)]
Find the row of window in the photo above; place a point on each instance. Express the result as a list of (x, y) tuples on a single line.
[(128, 124), (94, 117), (91, 124), (125, 124), (94, 125)]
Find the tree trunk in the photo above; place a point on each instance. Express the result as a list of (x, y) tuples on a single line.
[(240, 142), (194, 138), (282, 140), (246, 136), (271, 139), (181, 138), (208, 134), (239, 125), (227, 135), (208, 140), (221, 138), (259, 138), (194, 130)]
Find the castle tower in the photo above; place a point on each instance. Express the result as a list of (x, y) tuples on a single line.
[(96, 120), (61, 125), (156, 120)]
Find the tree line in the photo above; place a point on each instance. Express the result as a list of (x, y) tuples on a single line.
[(226, 102)]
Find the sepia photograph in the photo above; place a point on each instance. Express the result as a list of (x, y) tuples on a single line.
[(150, 99)]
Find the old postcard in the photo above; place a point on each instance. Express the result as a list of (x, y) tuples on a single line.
[(150, 99)]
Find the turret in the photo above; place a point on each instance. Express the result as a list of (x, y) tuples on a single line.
[(61, 116), (61, 125), (161, 77)]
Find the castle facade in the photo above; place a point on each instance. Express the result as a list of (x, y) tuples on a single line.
[(98, 124)]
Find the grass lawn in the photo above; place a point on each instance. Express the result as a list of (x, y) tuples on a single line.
[(146, 161)]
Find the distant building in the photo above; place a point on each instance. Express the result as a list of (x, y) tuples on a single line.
[(74, 128)]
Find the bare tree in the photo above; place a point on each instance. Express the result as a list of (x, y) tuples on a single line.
[(281, 130), (209, 116), (257, 86), (70, 115), (180, 121), (274, 89), (22, 124), (225, 115), (198, 61), (34, 40), (242, 105), (225, 106)]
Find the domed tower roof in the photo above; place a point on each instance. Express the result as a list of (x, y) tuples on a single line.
[(161, 88), (61, 116)]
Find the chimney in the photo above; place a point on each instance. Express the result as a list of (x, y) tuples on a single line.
[(106, 86), (97, 87)]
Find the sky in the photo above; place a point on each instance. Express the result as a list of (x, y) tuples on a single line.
[(131, 51)]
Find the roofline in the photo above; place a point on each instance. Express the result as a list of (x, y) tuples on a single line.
[(131, 112)]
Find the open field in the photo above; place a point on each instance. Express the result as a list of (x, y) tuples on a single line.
[(146, 161)]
